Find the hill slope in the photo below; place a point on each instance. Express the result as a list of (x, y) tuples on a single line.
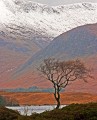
[(27, 27), (80, 43), (77, 43)]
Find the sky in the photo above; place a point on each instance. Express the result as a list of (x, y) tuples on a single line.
[(61, 2)]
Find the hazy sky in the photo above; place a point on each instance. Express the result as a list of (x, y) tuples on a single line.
[(59, 2)]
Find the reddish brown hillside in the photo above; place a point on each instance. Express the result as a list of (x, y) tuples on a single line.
[(47, 98)]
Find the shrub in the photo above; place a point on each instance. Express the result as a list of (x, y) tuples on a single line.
[(71, 112), (6, 101), (6, 114)]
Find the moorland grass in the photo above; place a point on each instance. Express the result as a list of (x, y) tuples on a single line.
[(71, 112)]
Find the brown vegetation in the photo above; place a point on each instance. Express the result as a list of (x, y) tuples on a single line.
[(48, 98)]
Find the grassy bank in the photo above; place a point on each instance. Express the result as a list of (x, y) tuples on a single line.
[(71, 112)]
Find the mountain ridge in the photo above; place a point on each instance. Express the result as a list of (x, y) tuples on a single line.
[(45, 24)]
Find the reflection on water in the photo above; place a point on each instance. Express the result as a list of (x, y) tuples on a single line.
[(28, 110)]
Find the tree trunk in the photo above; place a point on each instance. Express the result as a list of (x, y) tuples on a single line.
[(57, 96), (58, 103)]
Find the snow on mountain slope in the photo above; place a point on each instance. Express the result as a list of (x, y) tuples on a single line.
[(41, 23), (27, 27)]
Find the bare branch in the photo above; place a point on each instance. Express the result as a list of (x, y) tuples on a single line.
[(61, 73)]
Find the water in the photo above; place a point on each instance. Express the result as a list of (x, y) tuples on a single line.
[(29, 110)]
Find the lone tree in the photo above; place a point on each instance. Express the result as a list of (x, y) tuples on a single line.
[(61, 73)]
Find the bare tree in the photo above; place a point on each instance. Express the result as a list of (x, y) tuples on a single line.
[(61, 73)]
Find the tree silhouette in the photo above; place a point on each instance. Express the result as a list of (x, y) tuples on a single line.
[(61, 73)]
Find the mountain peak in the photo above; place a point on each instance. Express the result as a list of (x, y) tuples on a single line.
[(28, 5), (84, 6), (25, 19)]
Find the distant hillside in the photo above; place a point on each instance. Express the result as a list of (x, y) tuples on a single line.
[(30, 89), (80, 42)]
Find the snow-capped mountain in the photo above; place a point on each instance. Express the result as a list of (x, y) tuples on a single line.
[(27, 27), (40, 23)]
